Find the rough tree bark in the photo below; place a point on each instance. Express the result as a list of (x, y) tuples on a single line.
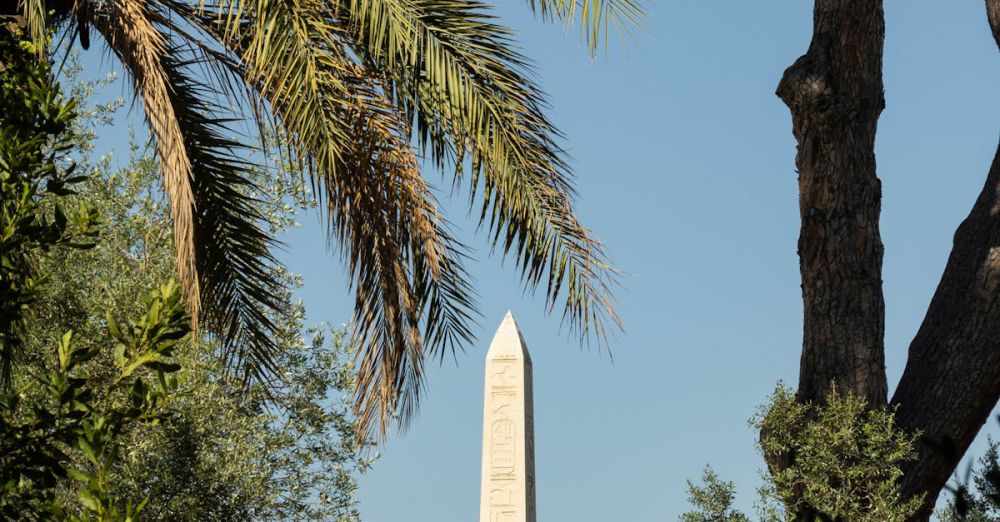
[(835, 95), (952, 375)]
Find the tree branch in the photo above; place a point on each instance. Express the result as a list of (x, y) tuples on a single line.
[(952, 376)]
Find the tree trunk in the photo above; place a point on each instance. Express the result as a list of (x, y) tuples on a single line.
[(835, 95), (952, 375)]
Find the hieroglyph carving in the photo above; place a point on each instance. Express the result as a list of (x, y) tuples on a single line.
[(508, 478)]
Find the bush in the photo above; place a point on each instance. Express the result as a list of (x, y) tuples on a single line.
[(839, 461)]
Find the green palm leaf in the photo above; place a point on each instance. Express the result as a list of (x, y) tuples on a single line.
[(598, 18), (455, 72)]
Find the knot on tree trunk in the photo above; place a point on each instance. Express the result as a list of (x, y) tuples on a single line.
[(811, 91)]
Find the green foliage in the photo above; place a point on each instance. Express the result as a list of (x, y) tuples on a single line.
[(845, 457), (109, 419), (839, 461), (34, 141), (227, 452), (67, 417), (713, 501), (216, 460), (980, 501)]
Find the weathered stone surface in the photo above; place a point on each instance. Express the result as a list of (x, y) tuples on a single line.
[(508, 479)]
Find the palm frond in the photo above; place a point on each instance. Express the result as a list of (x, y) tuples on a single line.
[(236, 269), (406, 268), (349, 84), (412, 295), (308, 86), (452, 71), (33, 12), (455, 73), (598, 18), (132, 36), (231, 253)]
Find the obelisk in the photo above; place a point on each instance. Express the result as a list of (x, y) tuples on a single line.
[(508, 479)]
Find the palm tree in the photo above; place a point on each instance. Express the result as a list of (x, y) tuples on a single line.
[(358, 92)]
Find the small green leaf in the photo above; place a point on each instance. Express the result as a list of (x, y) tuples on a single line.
[(76, 474), (88, 500), (65, 359)]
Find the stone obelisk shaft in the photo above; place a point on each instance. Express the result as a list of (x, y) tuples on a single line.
[(508, 479)]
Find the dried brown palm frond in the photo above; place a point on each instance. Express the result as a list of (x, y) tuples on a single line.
[(407, 266), (229, 250), (131, 35)]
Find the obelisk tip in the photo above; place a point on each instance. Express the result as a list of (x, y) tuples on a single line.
[(508, 341)]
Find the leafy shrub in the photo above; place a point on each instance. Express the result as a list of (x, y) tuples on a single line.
[(838, 461)]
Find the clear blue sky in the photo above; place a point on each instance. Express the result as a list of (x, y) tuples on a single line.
[(685, 165)]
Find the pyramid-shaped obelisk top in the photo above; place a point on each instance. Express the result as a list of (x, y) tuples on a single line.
[(508, 479), (508, 341)]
